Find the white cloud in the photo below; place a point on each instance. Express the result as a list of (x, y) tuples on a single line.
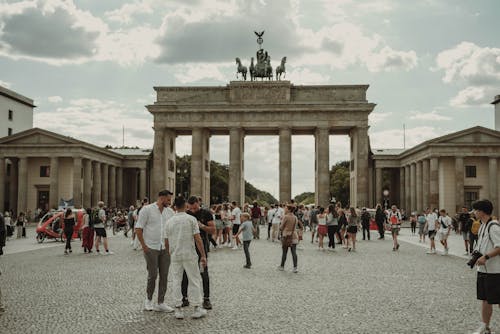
[(200, 72), (474, 96), (125, 13), (305, 76), (429, 116), (394, 138), (378, 117), (55, 99)]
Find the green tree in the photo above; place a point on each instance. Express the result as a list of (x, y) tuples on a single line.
[(305, 198), (340, 182)]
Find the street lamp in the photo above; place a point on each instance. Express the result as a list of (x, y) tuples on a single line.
[(386, 199)]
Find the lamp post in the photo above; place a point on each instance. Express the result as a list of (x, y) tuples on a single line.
[(386, 198)]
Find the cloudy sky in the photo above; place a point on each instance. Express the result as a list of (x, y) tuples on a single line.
[(90, 66)]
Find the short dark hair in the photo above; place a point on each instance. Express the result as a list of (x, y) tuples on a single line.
[(192, 200), (179, 202), (484, 205), (165, 193)]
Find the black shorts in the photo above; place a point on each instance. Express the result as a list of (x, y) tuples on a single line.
[(488, 287), (100, 232), (432, 234), (236, 228), (352, 229)]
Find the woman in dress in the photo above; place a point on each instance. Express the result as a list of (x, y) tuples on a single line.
[(342, 227), (288, 230), (332, 224), (322, 228), (87, 232), (69, 225), (219, 224), (352, 229)]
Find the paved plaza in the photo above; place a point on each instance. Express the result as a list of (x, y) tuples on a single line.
[(373, 290)]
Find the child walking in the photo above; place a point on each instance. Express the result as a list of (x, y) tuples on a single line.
[(247, 229)]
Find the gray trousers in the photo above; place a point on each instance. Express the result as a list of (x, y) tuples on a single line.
[(157, 262)]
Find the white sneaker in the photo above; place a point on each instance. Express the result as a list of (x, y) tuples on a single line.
[(148, 305), (109, 253), (280, 268), (430, 252), (178, 313), (295, 270), (164, 308), (199, 312), (235, 248), (483, 329)]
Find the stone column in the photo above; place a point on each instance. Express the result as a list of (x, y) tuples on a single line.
[(119, 187), (105, 184), (285, 165), (14, 179), (434, 183), (142, 185), (87, 183), (419, 181), (54, 183), (407, 189), (459, 183), (493, 180), (322, 167), (200, 164), (378, 186), (236, 189), (360, 154), (112, 186), (77, 182), (425, 183), (402, 189), (96, 182), (413, 187), (170, 163), (158, 162), (2, 184), (22, 194)]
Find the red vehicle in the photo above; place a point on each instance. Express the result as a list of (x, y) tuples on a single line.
[(51, 226)]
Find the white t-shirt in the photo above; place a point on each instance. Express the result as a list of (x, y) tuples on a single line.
[(180, 231), (431, 221), (153, 224), (270, 215), (236, 213), (446, 220), (486, 242), (278, 216)]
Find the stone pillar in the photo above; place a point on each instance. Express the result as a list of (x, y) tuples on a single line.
[(142, 185), (459, 183), (493, 181), (360, 145), (105, 184), (2, 184), (170, 163), (402, 189), (119, 187), (112, 186), (54, 183), (22, 194), (407, 189), (77, 182), (158, 162), (420, 205), (14, 179), (236, 189), (425, 183), (378, 186), (200, 164), (285, 165), (434, 183), (322, 167), (87, 183), (413, 187), (96, 182)]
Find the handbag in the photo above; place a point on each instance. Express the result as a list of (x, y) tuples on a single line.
[(288, 240)]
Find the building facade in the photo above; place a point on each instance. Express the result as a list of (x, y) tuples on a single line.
[(16, 112)]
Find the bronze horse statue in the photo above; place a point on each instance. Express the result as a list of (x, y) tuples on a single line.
[(241, 69), (281, 69)]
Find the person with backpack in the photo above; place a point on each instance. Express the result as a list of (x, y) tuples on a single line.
[(445, 225), (474, 230), (488, 263), (464, 225), (99, 221), (256, 215), (421, 227), (394, 218)]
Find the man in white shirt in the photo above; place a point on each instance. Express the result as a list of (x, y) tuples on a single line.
[(278, 216), (270, 215), (444, 229), (235, 217), (488, 265), (430, 225), (150, 229), (181, 235)]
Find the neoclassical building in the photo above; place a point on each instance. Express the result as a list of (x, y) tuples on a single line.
[(42, 169)]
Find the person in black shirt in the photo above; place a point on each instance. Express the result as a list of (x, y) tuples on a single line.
[(207, 228), (365, 223), (465, 223), (69, 225), (380, 219)]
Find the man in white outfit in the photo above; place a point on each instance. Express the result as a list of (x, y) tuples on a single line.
[(181, 235)]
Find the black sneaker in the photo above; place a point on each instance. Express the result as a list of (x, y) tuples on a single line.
[(397, 246), (206, 304), (185, 302), (247, 266)]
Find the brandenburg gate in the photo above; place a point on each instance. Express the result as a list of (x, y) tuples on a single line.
[(261, 108)]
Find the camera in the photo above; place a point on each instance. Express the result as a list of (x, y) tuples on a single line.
[(474, 257)]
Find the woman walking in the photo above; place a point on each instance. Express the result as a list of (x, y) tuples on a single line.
[(20, 224), (342, 228), (333, 226), (219, 225), (380, 219), (290, 237), (88, 232), (69, 225), (352, 229), (322, 228)]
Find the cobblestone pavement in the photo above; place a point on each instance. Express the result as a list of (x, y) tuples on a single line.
[(373, 290)]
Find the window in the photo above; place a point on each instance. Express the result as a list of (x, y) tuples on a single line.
[(471, 197), (44, 171), (9, 132), (470, 171), (11, 115)]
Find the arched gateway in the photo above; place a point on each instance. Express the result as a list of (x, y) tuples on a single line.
[(261, 108)]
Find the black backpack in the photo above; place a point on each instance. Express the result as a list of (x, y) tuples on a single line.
[(94, 217)]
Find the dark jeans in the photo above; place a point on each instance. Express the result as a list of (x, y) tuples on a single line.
[(206, 283), (68, 233), (381, 229), (269, 230), (246, 245), (413, 227), (472, 241), (366, 228), (332, 229), (293, 247)]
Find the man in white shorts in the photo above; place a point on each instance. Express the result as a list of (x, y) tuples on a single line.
[(444, 229), (430, 226)]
